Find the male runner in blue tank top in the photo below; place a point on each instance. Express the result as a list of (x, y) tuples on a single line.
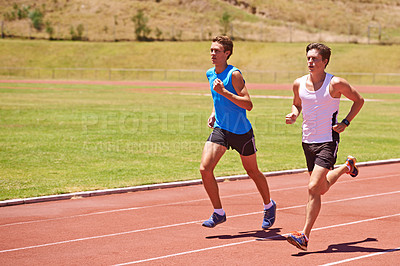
[(231, 129), (318, 95)]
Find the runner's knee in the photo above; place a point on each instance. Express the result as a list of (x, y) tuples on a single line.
[(253, 173), (204, 170), (315, 188)]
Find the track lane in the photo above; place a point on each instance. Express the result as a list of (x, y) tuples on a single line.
[(139, 226)]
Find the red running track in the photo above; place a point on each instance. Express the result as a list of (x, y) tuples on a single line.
[(358, 225)]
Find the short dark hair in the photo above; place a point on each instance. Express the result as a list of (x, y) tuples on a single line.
[(226, 43), (322, 49)]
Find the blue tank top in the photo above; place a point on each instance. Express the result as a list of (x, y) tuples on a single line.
[(228, 116)]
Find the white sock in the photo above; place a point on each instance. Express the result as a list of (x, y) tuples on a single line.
[(267, 206), (348, 166), (219, 211)]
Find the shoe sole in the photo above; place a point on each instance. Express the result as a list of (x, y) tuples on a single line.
[(295, 243), (206, 226), (356, 174), (214, 224), (265, 228), (354, 165)]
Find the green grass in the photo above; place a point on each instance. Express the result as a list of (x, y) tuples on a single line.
[(276, 60), (68, 138)]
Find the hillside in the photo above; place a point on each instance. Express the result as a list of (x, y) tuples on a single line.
[(356, 21)]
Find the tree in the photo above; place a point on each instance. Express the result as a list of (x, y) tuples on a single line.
[(141, 29), (78, 35), (49, 30), (225, 22), (159, 34), (36, 17)]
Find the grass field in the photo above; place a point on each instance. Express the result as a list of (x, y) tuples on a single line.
[(60, 138), (193, 55), (281, 58)]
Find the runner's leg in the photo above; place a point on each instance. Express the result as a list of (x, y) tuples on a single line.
[(212, 153)]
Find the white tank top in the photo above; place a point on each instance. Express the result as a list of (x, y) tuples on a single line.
[(320, 112)]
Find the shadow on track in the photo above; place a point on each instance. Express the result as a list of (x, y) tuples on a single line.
[(258, 234), (346, 248)]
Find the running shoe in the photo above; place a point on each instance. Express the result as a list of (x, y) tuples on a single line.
[(298, 240), (214, 220), (269, 216), (351, 162)]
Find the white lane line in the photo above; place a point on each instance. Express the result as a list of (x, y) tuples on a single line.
[(261, 96), (187, 252), (178, 203), (324, 202), (186, 223), (97, 237), (361, 257), (248, 241)]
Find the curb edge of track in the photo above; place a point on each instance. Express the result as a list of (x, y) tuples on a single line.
[(86, 194)]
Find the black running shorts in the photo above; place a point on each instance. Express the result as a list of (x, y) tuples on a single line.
[(244, 144), (322, 154)]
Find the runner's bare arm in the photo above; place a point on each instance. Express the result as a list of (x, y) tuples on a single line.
[(341, 87), (296, 106), (211, 119)]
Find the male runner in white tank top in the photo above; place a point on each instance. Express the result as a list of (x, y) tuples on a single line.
[(318, 95)]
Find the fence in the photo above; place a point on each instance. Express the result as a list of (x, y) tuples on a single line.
[(122, 74)]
